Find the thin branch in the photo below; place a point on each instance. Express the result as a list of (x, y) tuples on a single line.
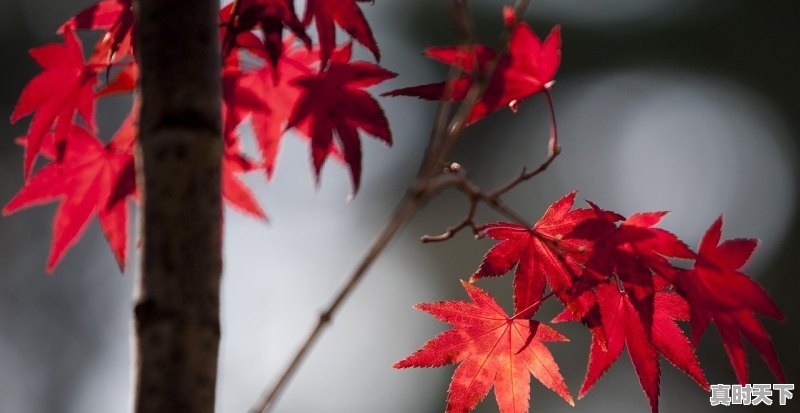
[(525, 175), (460, 16), (464, 27), (452, 231), (537, 303), (476, 91), (427, 184), (467, 222), (552, 152), (493, 198), (408, 206), (476, 195), (553, 144), (458, 178), (495, 203)]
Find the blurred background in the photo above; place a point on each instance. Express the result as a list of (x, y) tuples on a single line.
[(681, 105)]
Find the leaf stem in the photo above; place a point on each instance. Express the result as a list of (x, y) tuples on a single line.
[(536, 304)]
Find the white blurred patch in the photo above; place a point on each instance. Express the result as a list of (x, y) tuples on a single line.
[(279, 276), (640, 140)]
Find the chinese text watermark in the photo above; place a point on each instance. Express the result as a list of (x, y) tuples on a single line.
[(750, 394)]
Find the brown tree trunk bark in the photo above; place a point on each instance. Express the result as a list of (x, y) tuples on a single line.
[(177, 326)]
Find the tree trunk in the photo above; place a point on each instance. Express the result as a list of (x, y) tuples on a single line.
[(179, 167)]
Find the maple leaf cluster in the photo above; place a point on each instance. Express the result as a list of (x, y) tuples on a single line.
[(528, 68), (275, 79), (628, 281)]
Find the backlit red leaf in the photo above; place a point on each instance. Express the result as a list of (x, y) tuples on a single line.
[(327, 14), (91, 179), (270, 16), (717, 291), (526, 70), (491, 350), (333, 104), (113, 16), (539, 253), (265, 98), (63, 89), (624, 327)]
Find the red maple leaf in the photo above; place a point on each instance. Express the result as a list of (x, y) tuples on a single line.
[(493, 350), (124, 81), (637, 239), (64, 88), (333, 103), (624, 326), (91, 179), (717, 290), (271, 16), (266, 99), (114, 16), (345, 13), (235, 163), (633, 252), (526, 70), (539, 253)]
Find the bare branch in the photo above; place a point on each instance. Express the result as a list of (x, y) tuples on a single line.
[(493, 198), (452, 231), (475, 194), (553, 151), (408, 206), (525, 175), (478, 88), (468, 222), (428, 183)]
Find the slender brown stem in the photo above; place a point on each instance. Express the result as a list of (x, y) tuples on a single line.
[(553, 151), (526, 175), (461, 119), (427, 184), (469, 221), (553, 144), (408, 206), (431, 162), (493, 198), (459, 180), (537, 303)]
